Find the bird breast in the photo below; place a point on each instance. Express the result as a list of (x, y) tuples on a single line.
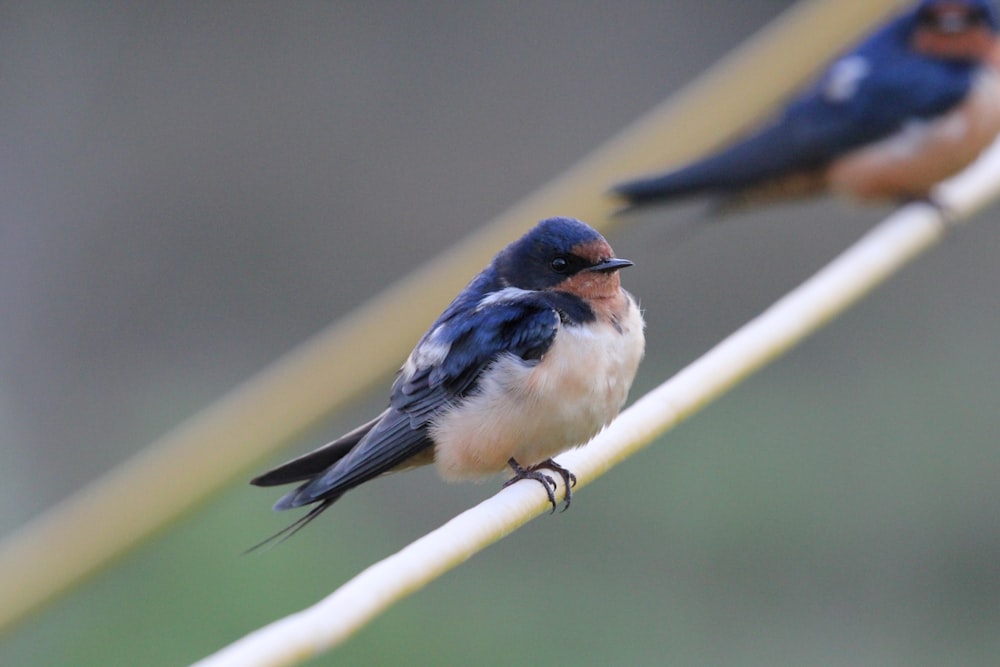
[(533, 411), (909, 163)]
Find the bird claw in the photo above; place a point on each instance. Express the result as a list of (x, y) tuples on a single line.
[(949, 216), (532, 472)]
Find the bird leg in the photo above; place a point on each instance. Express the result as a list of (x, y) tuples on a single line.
[(532, 472)]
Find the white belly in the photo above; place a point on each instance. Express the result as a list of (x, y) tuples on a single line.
[(533, 412)]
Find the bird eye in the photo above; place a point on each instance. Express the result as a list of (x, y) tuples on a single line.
[(559, 264)]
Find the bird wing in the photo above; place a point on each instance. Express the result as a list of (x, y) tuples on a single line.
[(861, 98), (448, 362), (444, 367)]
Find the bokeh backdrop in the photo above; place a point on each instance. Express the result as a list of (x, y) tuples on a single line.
[(188, 191)]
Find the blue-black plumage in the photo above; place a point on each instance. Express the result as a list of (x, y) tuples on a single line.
[(914, 103), (535, 356)]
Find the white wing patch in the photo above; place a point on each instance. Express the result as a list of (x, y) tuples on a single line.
[(431, 352), (506, 295), (844, 77)]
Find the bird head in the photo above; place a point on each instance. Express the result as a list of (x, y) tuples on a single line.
[(561, 254), (955, 29)]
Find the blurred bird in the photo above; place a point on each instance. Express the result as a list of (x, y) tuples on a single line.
[(535, 356), (913, 104)]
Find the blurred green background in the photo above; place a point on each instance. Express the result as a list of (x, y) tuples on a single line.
[(188, 191)]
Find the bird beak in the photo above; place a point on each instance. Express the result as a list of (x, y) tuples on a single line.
[(609, 265)]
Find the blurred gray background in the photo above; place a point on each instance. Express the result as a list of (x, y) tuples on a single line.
[(188, 191)]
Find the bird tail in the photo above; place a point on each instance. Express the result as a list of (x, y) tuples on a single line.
[(315, 462), (307, 467), (643, 192), (294, 526)]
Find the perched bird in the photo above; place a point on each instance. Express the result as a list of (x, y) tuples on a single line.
[(913, 104), (535, 356)]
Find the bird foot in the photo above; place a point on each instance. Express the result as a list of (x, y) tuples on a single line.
[(948, 216), (532, 472)]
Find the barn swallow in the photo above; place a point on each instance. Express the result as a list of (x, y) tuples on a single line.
[(535, 356), (914, 103)]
